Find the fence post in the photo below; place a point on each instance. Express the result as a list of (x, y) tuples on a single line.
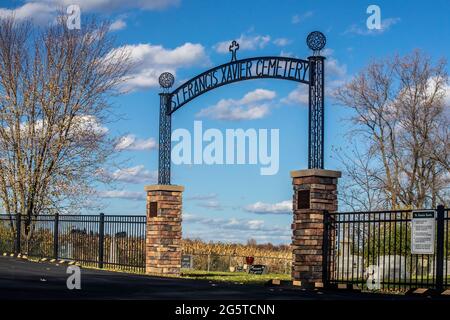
[(56, 236), (17, 248), (440, 248), (326, 240), (209, 259), (101, 236)]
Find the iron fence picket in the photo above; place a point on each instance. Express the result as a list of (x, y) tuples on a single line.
[(8, 238), (447, 248), (439, 259)]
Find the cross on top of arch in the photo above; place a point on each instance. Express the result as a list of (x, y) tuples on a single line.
[(234, 47)]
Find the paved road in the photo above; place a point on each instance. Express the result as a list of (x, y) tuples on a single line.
[(22, 279)]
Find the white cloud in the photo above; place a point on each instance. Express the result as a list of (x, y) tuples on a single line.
[(335, 75), (299, 95), (149, 61), (183, 55), (255, 224), (386, 24), (208, 201), (119, 24), (88, 124), (432, 83), (130, 142), (230, 223), (297, 18), (333, 67), (447, 95), (39, 13), (287, 54), (109, 5), (257, 95), (81, 126), (210, 196), (284, 207), (227, 109), (445, 87), (211, 204), (237, 236), (234, 229), (127, 195), (281, 42), (254, 105), (44, 11), (246, 42), (136, 175)]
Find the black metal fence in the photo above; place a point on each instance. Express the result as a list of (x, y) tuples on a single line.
[(116, 242), (103, 241), (373, 250)]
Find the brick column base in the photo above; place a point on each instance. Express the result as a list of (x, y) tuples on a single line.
[(163, 238), (315, 191)]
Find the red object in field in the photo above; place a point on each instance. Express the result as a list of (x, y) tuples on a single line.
[(249, 260)]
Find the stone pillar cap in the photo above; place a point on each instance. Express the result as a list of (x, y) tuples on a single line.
[(164, 187), (315, 173)]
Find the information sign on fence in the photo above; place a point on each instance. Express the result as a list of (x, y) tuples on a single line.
[(423, 226)]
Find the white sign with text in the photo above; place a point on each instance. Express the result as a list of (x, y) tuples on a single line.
[(423, 226)]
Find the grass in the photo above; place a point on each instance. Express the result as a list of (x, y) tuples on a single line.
[(234, 277), (217, 276)]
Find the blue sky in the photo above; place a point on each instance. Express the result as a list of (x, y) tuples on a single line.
[(234, 203)]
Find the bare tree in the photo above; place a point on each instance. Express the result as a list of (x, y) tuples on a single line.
[(361, 189), (401, 117), (54, 89)]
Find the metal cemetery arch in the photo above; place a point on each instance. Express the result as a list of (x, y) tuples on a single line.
[(310, 72)]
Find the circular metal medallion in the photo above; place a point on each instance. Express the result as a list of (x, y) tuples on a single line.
[(316, 40), (166, 80)]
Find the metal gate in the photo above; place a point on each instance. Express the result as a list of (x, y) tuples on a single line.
[(372, 250)]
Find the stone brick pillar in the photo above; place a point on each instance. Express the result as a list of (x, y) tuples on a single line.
[(315, 191), (163, 238)]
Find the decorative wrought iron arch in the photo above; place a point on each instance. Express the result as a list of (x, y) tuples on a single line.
[(284, 68), (310, 72)]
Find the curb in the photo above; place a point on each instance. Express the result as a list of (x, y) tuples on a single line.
[(426, 292), (19, 256), (58, 262), (296, 284), (25, 257)]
